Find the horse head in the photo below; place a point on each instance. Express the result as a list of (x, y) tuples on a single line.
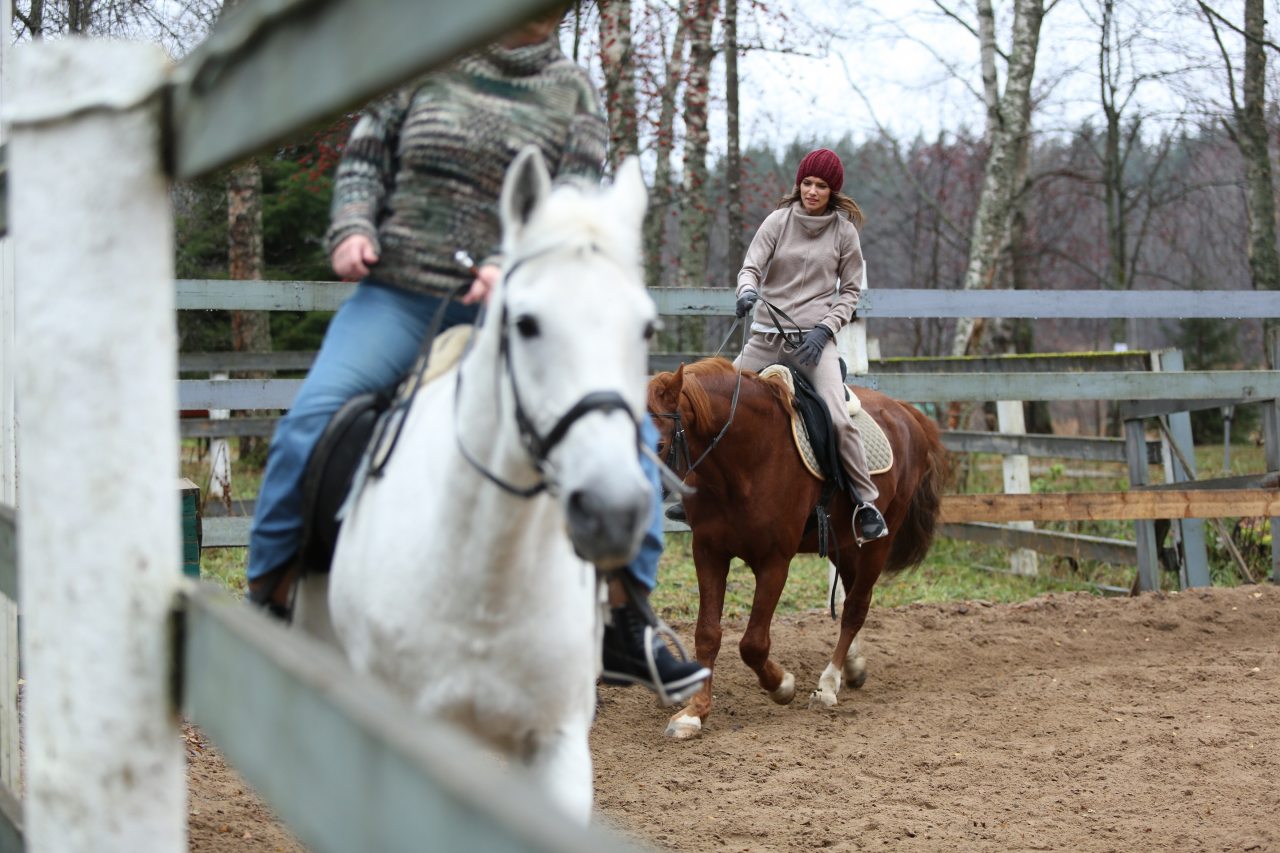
[(573, 322)]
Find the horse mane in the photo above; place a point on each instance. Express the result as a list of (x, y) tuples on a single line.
[(571, 217), (720, 373)]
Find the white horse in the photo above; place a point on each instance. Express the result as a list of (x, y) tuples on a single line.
[(476, 599)]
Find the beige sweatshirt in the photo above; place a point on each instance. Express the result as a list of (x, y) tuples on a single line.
[(808, 266)]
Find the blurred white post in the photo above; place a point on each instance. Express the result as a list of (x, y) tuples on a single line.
[(10, 735), (219, 454), (1017, 481), (851, 341), (99, 535)]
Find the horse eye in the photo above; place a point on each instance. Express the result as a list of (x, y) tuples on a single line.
[(650, 329), (527, 326)]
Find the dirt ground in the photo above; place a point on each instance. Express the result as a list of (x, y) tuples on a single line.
[(1068, 722)]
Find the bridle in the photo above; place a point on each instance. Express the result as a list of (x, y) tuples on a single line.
[(537, 445), (679, 445)]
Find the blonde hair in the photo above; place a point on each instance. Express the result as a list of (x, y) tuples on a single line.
[(839, 201)]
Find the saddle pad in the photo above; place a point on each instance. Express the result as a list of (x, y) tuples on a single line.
[(874, 442), (446, 351)]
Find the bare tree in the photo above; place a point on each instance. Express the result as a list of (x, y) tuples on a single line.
[(1008, 135), (733, 158), (1248, 129), (666, 83), (694, 214), (618, 62)]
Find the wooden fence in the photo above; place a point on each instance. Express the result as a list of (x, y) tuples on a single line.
[(1145, 393), (102, 551)]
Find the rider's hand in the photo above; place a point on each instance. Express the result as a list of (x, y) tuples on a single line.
[(745, 302), (810, 351), (353, 257), (486, 278)]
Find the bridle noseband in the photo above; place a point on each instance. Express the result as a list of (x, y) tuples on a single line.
[(538, 446)]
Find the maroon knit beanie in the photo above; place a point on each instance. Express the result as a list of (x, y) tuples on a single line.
[(822, 163)]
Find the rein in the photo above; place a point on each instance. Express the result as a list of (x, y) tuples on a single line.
[(538, 446)]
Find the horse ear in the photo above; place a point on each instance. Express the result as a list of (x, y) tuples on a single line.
[(630, 196), (526, 184)]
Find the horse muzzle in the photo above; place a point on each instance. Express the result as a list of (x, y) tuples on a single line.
[(606, 527)]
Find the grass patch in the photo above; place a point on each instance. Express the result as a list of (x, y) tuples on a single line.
[(954, 570)]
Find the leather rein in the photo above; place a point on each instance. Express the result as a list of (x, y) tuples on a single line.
[(537, 445)]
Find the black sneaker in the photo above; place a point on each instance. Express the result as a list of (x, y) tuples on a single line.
[(868, 524), (273, 591), (676, 512), (635, 653)]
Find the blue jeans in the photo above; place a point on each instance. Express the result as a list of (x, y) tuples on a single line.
[(371, 343)]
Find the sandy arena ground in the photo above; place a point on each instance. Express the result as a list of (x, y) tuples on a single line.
[(1068, 722)]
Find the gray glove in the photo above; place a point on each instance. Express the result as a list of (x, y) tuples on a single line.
[(745, 303), (810, 350)]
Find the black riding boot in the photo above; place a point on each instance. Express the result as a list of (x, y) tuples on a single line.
[(636, 653), (868, 524)]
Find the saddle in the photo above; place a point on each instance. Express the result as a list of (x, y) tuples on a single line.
[(346, 441), (808, 433)]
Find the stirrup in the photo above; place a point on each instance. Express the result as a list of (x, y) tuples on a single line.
[(857, 524), (655, 631)]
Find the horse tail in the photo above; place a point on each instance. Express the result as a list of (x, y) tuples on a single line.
[(914, 537)]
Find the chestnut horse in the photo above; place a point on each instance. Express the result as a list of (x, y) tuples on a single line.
[(753, 499)]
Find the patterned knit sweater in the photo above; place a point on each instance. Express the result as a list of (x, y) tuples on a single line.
[(423, 169)]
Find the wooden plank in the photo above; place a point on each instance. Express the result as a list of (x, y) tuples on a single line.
[(1029, 304), (1066, 362), (272, 68), (1269, 480), (8, 552), (219, 294), (345, 762), (1087, 506), (227, 362), (225, 532), (226, 428), (1241, 385), (1137, 409), (1075, 545), (11, 827), (222, 295), (1086, 448), (237, 394)]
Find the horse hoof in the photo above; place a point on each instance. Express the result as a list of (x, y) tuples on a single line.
[(821, 700), (855, 671), (684, 727), (786, 690)]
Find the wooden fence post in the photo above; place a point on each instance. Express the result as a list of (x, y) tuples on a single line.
[(1271, 440), (98, 537), (1190, 531), (10, 763), (1011, 420), (1145, 531)]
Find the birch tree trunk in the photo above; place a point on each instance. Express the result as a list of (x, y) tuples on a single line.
[(695, 218), (733, 164), (250, 330), (1115, 196), (618, 62), (1250, 133), (1008, 131), (1264, 265), (660, 200)]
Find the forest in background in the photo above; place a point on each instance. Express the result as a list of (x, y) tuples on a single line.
[(1130, 196)]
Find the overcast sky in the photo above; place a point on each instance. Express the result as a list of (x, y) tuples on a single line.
[(918, 70)]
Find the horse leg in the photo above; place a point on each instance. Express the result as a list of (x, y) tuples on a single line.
[(846, 658), (754, 648), (713, 575), (561, 763), (855, 665)]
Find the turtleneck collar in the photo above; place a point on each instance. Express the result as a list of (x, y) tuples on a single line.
[(525, 60), (813, 225)]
